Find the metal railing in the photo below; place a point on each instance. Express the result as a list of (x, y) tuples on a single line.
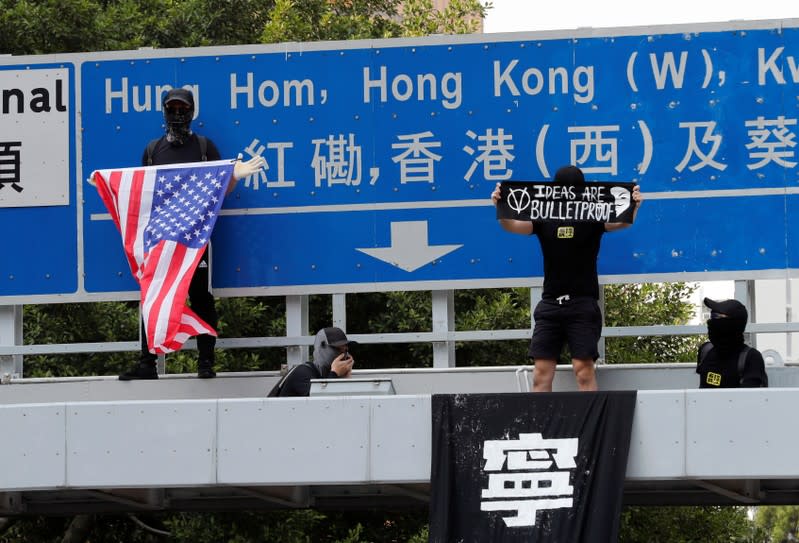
[(299, 338)]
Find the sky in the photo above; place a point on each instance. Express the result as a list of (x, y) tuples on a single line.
[(526, 15), (531, 15)]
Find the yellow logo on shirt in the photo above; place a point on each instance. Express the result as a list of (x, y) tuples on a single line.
[(565, 232), (713, 379)]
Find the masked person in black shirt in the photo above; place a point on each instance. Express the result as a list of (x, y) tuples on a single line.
[(181, 145), (568, 311), (726, 361)]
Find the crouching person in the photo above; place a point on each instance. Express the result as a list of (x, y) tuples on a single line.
[(331, 359)]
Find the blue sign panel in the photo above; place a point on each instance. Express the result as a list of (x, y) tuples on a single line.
[(381, 157), (38, 208)]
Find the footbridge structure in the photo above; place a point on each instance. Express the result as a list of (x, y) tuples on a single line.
[(180, 443)]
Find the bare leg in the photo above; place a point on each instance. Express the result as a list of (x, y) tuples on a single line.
[(543, 374), (585, 374)]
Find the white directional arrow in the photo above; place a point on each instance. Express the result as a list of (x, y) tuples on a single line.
[(409, 249)]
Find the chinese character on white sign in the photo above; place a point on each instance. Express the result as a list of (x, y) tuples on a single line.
[(766, 149), (337, 160), (495, 154), (595, 147), (705, 159), (417, 161), (255, 180)]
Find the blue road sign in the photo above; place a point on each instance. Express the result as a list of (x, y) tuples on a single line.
[(382, 155), (38, 209)]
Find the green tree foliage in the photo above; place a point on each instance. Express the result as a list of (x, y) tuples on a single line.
[(33, 27), (302, 526), (707, 524), (459, 17), (411, 312), (647, 304), (79, 323), (318, 20), (777, 524), (492, 309), (30, 27)]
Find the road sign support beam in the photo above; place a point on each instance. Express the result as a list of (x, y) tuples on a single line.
[(744, 292), (297, 325), (340, 311), (10, 335), (443, 323)]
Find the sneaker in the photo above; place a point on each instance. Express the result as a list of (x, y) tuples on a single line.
[(140, 371), (205, 369)]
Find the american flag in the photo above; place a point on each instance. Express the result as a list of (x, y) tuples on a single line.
[(166, 215)]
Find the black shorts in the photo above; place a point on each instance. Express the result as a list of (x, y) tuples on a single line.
[(577, 322)]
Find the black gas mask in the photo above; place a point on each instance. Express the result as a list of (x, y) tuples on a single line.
[(178, 114), (178, 122), (726, 334), (726, 325)]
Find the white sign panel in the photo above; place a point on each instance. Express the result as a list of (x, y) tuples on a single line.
[(34, 137)]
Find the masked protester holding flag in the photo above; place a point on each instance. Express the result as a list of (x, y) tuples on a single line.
[(166, 215), (726, 361), (568, 311)]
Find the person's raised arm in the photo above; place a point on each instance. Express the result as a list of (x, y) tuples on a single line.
[(637, 198), (511, 225), (245, 169)]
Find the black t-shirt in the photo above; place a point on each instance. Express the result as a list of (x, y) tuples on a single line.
[(717, 372), (166, 153), (570, 252)]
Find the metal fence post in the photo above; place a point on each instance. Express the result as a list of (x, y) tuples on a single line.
[(340, 311), (11, 335), (296, 325), (443, 322), (745, 293)]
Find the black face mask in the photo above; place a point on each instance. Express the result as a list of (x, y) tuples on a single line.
[(178, 122), (726, 334)]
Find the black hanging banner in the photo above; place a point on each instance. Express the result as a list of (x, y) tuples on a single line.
[(529, 467), (589, 202)]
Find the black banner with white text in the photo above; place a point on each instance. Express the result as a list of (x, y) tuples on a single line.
[(542, 467), (589, 202)]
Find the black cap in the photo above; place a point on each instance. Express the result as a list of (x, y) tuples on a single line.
[(732, 308), (570, 175), (181, 95), (336, 337)]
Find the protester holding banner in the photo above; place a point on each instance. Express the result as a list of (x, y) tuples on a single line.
[(569, 233), (178, 146)]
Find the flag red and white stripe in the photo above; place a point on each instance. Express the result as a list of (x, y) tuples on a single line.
[(163, 254)]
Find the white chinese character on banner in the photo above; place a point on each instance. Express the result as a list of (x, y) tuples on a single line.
[(417, 161), (705, 159), (593, 142), (527, 475), (260, 178), (494, 155), (767, 151), (340, 164)]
